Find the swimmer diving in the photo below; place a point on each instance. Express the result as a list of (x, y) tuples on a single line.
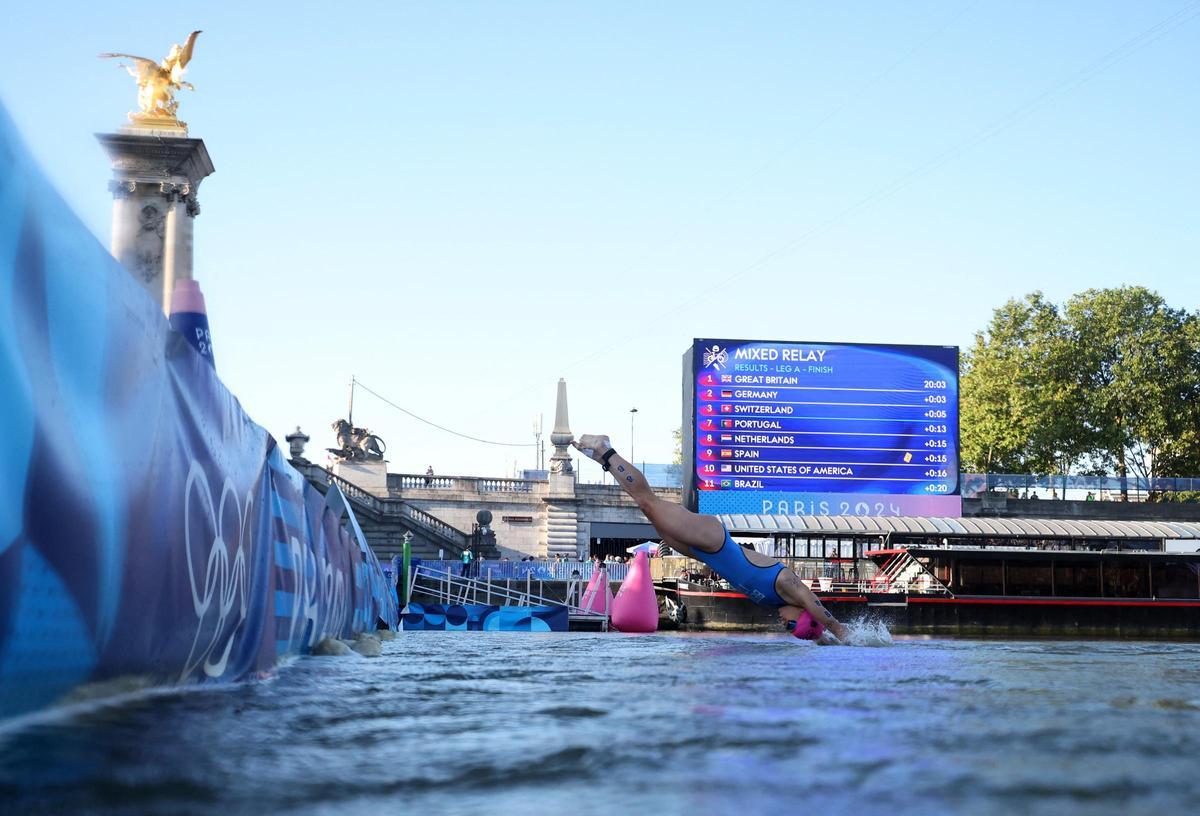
[(764, 579)]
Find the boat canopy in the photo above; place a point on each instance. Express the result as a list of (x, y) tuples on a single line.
[(1040, 528)]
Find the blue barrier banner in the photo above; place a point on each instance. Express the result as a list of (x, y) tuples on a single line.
[(148, 527), (484, 618)]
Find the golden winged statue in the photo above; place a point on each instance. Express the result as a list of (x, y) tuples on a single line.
[(158, 81)]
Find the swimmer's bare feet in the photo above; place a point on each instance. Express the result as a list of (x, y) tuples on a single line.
[(593, 446)]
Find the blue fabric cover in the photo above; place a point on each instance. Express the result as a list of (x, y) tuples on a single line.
[(148, 527)]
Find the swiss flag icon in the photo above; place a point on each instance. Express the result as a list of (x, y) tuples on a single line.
[(726, 408)]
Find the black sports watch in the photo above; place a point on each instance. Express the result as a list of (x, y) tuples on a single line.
[(608, 454)]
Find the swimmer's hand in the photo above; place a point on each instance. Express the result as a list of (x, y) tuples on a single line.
[(828, 638), (592, 446)]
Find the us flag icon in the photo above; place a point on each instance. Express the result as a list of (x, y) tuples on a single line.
[(726, 437), (726, 453), (726, 408), (726, 423), (726, 394), (727, 468)]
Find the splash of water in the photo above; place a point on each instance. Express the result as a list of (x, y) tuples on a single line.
[(867, 633)]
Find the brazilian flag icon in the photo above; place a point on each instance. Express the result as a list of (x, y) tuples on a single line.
[(727, 483)]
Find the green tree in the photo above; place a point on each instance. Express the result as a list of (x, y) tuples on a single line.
[(1111, 381), (1137, 366), (1017, 409)]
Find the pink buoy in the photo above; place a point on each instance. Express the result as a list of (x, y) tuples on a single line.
[(598, 596), (807, 627), (635, 609)]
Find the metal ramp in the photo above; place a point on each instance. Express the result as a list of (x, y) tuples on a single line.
[(450, 588), (904, 573)]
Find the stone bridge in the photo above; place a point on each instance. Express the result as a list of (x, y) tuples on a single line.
[(538, 517)]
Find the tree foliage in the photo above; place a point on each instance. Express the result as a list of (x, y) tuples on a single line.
[(1110, 381)]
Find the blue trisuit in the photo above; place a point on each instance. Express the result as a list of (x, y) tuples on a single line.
[(731, 563)]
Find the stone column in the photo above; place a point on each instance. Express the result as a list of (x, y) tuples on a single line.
[(177, 235), (156, 174), (562, 527), (562, 518), (561, 436)]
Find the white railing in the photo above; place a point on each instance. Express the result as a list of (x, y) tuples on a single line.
[(400, 482), (451, 588)]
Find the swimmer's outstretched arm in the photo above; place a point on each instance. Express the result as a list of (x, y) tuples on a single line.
[(684, 530)]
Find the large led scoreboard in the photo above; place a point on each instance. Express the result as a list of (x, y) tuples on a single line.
[(821, 429)]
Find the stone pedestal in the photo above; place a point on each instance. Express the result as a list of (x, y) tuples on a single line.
[(562, 517), (370, 476), (157, 171), (562, 528)]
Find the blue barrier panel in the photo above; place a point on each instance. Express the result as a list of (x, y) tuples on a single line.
[(484, 617), (148, 527)]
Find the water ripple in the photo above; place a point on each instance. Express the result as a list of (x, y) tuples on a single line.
[(452, 723)]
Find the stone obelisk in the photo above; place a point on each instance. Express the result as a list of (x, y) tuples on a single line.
[(562, 513), (157, 170)]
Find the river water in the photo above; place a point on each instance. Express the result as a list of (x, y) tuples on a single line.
[(510, 723)]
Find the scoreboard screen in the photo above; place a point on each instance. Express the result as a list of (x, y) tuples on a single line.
[(821, 428)]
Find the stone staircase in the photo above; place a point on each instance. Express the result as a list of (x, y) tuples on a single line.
[(385, 521)]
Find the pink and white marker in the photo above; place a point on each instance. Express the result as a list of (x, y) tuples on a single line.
[(189, 317), (635, 609)]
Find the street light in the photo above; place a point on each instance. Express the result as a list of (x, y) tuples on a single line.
[(632, 411)]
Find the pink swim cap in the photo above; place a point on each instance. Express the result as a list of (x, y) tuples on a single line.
[(807, 627)]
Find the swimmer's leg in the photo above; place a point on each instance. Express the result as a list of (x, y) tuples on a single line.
[(796, 594), (672, 521), (682, 549)]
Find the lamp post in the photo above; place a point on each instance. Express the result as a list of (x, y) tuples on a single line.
[(632, 413)]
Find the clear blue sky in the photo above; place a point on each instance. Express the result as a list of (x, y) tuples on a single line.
[(460, 203)]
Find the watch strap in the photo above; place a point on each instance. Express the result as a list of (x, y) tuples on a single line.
[(608, 454)]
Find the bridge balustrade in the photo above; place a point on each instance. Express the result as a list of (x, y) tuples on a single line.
[(401, 482)]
